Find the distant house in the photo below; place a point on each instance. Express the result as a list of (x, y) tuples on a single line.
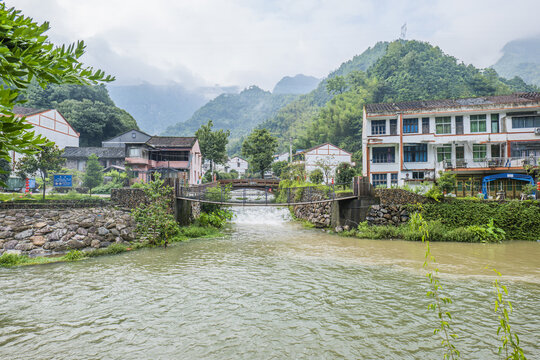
[(125, 139), (174, 157), (281, 157), (109, 157), (235, 163), (50, 124), (320, 156)]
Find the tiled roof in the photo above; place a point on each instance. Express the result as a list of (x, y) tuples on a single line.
[(25, 111), (173, 141), (517, 98), (71, 152)]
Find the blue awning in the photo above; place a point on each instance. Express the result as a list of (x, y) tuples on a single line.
[(521, 177)]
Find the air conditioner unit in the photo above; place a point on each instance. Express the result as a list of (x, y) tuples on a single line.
[(537, 131)]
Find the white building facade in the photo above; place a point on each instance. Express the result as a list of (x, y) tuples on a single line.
[(50, 124), (410, 142), (323, 156), (235, 163)]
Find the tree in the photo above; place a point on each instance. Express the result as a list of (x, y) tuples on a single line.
[(48, 160), (446, 182), (26, 55), (326, 167), (213, 144), (336, 85), (316, 176), (344, 173), (5, 170), (258, 149), (278, 167), (94, 173)]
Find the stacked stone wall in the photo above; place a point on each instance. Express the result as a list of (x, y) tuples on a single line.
[(387, 215), (128, 198), (44, 232), (319, 214), (399, 197)]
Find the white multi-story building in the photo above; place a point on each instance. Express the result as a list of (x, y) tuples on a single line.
[(235, 163), (410, 142)]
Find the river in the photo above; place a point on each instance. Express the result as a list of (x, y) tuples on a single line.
[(270, 289)]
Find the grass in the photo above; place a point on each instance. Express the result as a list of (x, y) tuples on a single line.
[(39, 197), (186, 233)]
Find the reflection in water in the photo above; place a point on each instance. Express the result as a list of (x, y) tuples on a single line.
[(270, 289)]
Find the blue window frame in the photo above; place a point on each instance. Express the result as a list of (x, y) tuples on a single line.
[(378, 127), (379, 180), (415, 153), (410, 126), (384, 154)]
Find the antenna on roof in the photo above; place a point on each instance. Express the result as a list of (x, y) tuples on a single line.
[(403, 31)]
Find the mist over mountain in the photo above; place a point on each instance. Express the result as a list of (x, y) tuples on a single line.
[(298, 84), (158, 106), (521, 58)]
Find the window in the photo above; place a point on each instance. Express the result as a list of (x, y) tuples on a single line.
[(410, 126), (415, 153), (425, 125), (460, 152), (525, 122), (378, 127), (379, 180), (496, 150), (479, 152), (494, 123), (134, 152), (478, 123), (133, 135), (444, 153), (164, 155), (459, 124), (384, 154), (418, 175), (393, 179), (393, 126), (443, 125)]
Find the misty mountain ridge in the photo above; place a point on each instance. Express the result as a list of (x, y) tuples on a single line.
[(521, 58), (298, 84)]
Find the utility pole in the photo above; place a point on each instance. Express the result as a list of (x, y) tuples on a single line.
[(290, 149)]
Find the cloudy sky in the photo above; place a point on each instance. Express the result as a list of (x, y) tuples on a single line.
[(244, 42)]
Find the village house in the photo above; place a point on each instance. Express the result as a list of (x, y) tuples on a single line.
[(486, 141), (109, 158), (325, 156), (235, 163), (50, 124)]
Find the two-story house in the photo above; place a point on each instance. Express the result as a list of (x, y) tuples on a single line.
[(410, 142)]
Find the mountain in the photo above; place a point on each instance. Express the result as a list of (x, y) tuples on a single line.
[(521, 58), (389, 72), (239, 113), (299, 84)]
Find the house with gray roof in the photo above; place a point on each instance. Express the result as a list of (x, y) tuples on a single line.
[(109, 157)]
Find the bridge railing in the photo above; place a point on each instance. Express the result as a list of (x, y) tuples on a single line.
[(264, 195)]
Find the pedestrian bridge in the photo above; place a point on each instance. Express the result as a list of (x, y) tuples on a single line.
[(261, 192)]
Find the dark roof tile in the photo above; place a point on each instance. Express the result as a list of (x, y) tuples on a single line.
[(101, 152), (174, 141), (26, 111)]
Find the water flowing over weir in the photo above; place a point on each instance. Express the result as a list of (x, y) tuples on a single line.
[(269, 289)]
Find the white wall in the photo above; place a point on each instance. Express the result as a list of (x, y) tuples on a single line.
[(329, 155)]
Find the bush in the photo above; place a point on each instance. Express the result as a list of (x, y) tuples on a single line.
[(9, 259), (217, 218), (74, 255), (316, 176)]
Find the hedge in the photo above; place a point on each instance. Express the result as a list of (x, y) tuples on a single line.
[(519, 219)]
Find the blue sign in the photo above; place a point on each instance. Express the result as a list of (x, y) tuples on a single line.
[(32, 183), (62, 180)]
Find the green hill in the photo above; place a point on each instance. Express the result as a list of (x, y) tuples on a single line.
[(398, 71), (89, 109), (521, 58)]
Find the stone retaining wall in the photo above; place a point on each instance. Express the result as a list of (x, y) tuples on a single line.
[(128, 198), (319, 214), (387, 215), (38, 232), (53, 204), (399, 197)]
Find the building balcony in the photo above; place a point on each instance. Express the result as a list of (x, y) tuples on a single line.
[(495, 163)]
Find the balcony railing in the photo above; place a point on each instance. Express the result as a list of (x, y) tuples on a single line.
[(487, 163)]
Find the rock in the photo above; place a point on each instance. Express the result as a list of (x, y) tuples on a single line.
[(45, 230), (39, 225), (6, 234), (75, 244), (95, 243), (37, 252), (346, 228), (82, 231), (102, 231), (25, 234), (338, 229), (105, 244), (11, 244), (38, 240), (387, 216), (12, 251), (115, 232), (86, 223), (24, 246), (56, 235), (68, 236)]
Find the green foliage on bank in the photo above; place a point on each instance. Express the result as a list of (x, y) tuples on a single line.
[(519, 219)]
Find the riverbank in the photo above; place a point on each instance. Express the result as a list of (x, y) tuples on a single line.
[(187, 233)]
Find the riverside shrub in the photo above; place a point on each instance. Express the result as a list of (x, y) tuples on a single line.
[(519, 219)]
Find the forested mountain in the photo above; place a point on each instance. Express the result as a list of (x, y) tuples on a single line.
[(89, 109), (521, 58), (239, 113), (158, 106), (299, 84), (406, 70), (293, 118)]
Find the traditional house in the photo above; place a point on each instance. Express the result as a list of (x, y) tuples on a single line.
[(325, 157), (485, 141), (50, 124), (235, 163), (109, 157)]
